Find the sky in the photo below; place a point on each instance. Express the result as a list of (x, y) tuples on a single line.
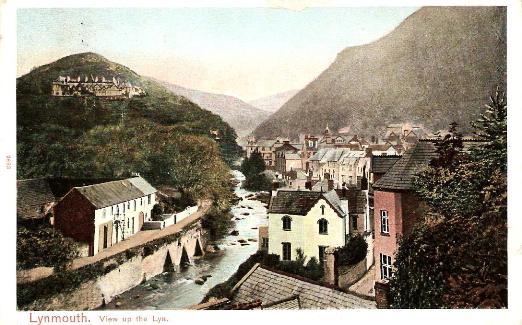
[(244, 52)]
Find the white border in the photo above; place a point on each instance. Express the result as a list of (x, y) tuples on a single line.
[(7, 177)]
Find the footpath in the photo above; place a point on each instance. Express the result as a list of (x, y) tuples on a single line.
[(138, 239)]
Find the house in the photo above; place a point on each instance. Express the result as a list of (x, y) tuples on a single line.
[(266, 288), (308, 220), (37, 196), (267, 149), (396, 207), (101, 215), (288, 157)]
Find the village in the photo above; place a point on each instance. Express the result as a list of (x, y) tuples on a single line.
[(327, 190), (380, 183)]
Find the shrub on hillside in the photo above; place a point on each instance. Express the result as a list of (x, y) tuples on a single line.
[(44, 246)]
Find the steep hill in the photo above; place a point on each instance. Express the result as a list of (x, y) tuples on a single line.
[(241, 116), (274, 102), (439, 65), (46, 123)]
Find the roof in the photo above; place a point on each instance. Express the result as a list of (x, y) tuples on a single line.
[(356, 199), (292, 156), (280, 290), (34, 194), (399, 176), (300, 202), (110, 193), (381, 164)]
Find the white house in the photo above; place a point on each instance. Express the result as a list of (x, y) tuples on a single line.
[(308, 220), (104, 214)]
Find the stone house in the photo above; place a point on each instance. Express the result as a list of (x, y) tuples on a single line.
[(397, 208), (307, 220), (101, 215)]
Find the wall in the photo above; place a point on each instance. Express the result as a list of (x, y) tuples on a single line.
[(91, 294), (348, 275), (130, 214), (73, 217), (305, 231)]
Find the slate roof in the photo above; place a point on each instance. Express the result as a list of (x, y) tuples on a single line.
[(300, 202), (110, 193), (271, 287), (34, 194), (399, 176), (381, 164), (356, 199)]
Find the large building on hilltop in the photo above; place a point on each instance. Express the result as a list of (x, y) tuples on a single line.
[(111, 88)]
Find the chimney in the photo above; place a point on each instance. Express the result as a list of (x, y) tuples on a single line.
[(330, 185), (330, 266), (382, 291)]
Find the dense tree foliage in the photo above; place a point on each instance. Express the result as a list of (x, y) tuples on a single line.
[(44, 246), (253, 169), (354, 251), (457, 258)]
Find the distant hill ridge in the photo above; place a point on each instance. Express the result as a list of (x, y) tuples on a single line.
[(439, 65), (242, 116)]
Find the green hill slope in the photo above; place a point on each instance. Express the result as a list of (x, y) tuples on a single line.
[(57, 136)]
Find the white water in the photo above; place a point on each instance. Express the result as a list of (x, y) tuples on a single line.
[(178, 290)]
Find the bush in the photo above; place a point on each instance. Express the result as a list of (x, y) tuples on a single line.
[(217, 223), (354, 251), (44, 246)]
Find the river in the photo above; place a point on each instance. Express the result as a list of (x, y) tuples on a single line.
[(177, 290)]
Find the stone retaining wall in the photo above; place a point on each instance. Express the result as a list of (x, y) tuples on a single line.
[(93, 293)]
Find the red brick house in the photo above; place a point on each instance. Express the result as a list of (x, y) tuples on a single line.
[(396, 207)]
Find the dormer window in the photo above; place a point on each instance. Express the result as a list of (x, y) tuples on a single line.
[(287, 223)]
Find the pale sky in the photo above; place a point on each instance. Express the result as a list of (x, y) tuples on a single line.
[(244, 52)]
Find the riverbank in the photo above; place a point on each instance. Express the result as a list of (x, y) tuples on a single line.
[(179, 290)]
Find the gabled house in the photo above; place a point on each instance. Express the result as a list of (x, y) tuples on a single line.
[(308, 220), (101, 215), (396, 207)]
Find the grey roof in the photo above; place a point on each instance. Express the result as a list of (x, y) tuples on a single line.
[(271, 287), (142, 185), (110, 193), (32, 196), (381, 164), (400, 175), (35, 195), (300, 202)]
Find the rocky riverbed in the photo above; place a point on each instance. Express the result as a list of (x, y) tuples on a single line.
[(181, 289)]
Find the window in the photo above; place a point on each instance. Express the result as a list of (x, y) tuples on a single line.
[(321, 254), (287, 251), (112, 211), (148, 198), (322, 209), (128, 205), (385, 227), (117, 209), (141, 201), (134, 203), (103, 213), (386, 267), (287, 223), (323, 226), (354, 222), (123, 207)]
